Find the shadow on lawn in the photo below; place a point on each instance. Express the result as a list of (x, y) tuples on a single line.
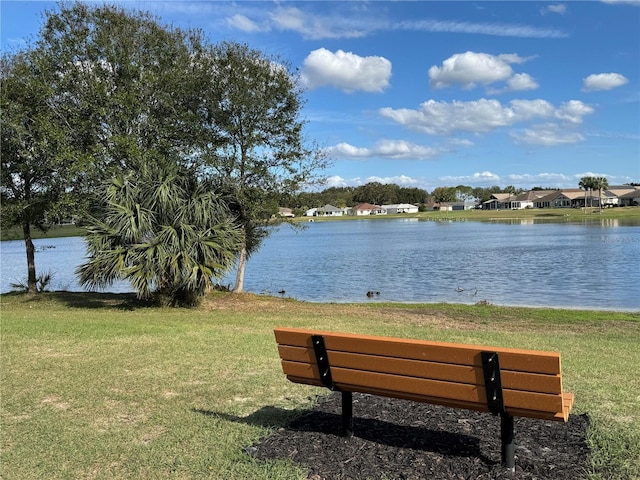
[(296, 425), (268, 417), (122, 301), (89, 300)]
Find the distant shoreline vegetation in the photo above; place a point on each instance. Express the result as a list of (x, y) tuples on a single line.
[(629, 215)]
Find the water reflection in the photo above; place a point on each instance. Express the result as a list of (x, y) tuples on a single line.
[(603, 222)]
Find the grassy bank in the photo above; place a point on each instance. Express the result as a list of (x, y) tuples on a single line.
[(98, 386), (56, 231)]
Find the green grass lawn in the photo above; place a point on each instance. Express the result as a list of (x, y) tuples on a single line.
[(100, 386)]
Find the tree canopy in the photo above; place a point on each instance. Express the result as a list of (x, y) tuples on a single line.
[(110, 93)]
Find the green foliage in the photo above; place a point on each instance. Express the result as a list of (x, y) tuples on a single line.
[(42, 282), (256, 151), (373, 192), (107, 90), (34, 155), (130, 86), (594, 183), (444, 194), (164, 231), (36, 161)]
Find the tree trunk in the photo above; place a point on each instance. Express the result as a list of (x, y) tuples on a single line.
[(600, 199), (32, 286), (240, 275)]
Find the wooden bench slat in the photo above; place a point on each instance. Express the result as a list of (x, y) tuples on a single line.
[(510, 359), (455, 391), (425, 369), (361, 380), (554, 416)]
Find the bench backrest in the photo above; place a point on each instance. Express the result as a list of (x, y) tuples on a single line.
[(435, 372)]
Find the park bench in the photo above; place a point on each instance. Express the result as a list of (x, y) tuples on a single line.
[(504, 381)]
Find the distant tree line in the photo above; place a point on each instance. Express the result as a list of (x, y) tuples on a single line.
[(387, 194)]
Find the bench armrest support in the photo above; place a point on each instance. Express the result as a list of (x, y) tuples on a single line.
[(492, 382)]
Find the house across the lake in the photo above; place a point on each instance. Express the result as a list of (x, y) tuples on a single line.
[(285, 212), (400, 208), (367, 209), (329, 211), (625, 195), (615, 196)]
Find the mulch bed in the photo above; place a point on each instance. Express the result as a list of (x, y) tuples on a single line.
[(397, 439)]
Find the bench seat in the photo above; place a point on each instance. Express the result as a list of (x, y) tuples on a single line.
[(524, 383)]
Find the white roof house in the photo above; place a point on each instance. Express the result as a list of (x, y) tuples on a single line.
[(401, 208), (329, 211)]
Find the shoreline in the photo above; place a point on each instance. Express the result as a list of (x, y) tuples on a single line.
[(626, 216)]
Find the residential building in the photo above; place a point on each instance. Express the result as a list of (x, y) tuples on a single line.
[(367, 209), (329, 211), (400, 208)]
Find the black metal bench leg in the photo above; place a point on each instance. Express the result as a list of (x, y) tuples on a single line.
[(347, 414), (508, 445)]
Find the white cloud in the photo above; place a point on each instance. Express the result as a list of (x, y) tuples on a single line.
[(517, 83), (603, 81), (400, 180), (479, 178), (343, 20), (468, 69), (549, 134), (316, 27), (349, 151), (335, 181), (243, 23), (520, 82), (573, 111), (495, 29), (393, 149), (472, 68), (481, 116), (559, 8), (346, 71)]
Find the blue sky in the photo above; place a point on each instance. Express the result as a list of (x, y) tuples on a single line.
[(429, 94)]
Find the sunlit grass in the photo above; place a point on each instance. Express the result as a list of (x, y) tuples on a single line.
[(100, 386)]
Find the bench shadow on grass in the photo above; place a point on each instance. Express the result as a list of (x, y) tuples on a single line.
[(294, 424)]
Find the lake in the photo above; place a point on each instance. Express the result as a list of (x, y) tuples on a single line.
[(592, 265)]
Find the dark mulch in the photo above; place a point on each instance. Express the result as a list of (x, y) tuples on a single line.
[(397, 439)]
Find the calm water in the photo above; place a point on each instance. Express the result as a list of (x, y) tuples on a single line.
[(593, 265)]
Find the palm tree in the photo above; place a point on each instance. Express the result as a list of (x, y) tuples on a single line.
[(165, 232), (600, 183), (587, 183)]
